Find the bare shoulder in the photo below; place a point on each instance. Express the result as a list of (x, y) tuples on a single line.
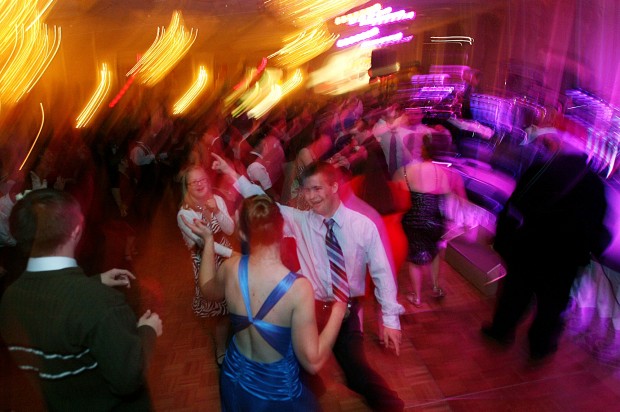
[(302, 288), (231, 264)]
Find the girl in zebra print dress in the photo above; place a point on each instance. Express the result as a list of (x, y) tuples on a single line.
[(200, 203)]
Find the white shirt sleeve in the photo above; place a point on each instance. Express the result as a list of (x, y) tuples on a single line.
[(227, 224), (192, 240), (247, 188), (258, 173), (385, 284)]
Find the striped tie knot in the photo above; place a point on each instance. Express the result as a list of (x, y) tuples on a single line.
[(330, 224)]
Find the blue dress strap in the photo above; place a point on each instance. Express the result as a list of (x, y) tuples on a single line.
[(243, 285), (278, 337), (281, 288)]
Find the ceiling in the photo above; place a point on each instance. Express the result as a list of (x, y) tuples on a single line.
[(227, 29), (232, 34)]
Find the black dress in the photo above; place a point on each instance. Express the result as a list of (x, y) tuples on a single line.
[(424, 225)]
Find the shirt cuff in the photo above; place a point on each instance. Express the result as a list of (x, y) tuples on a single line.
[(391, 321), (222, 250)]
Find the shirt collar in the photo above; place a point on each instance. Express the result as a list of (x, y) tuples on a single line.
[(41, 264), (338, 216)]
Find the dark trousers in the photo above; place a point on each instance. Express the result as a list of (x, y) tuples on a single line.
[(550, 283), (349, 352)]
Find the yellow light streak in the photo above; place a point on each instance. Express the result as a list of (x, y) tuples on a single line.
[(96, 100), (192, 93), (166, 51), (305, 13), (36, 138), (303, 47), (31, 54), (276, 94), (259, 91)]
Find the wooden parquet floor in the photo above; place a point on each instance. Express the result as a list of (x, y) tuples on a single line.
[(444, 365)]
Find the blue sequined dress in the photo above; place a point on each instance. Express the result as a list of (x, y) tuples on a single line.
[(248, 385)]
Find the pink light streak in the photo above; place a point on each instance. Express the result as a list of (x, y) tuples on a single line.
[(379, 20), (384, 41), (348, 41)]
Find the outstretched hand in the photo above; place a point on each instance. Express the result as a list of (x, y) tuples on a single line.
[(392, 338), (198, 227), (117, 277)]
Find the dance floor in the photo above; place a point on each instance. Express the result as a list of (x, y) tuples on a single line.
[(444, 365)]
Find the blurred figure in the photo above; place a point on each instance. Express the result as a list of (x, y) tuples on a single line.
[(199, 203), (266, 166), (75, 334), (549, 227), (120, 220), (146, 172), (391, 136), (272, 315), (472, 80), (424, 224), (412, 121)]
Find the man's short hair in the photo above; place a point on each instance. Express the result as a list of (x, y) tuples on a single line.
[(43, 220), (329, 171)]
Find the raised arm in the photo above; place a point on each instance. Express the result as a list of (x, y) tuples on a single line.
[(313, 350), (211, 283)]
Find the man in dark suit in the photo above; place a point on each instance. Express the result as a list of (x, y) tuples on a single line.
[(74, 334), (549, 228)]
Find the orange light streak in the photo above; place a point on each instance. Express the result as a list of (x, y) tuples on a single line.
[(166, 51), (192, 93), (94, 104), (36, 138)]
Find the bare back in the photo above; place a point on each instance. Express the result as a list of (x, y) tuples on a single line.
[(262, 279)]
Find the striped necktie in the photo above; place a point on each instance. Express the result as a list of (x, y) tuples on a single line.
[(340, 284), (393, 162)]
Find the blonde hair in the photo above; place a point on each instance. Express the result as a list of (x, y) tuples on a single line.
[(183, 180)]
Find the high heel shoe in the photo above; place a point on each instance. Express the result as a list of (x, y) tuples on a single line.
[(219, 359), (414, 299)]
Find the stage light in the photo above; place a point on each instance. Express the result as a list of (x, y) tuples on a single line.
[(36, 137), (32, 52), (348, 41), (99, 95), (166, 51), (192, 93), (276, 94), (384, 41), (307, 13), (303, 47)]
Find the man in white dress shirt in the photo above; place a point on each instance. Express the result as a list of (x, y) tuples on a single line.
[(407, 130), (362, 248)]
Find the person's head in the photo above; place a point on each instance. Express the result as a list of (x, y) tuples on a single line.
[(320, 182), (260, 221), (45, 220), (195, 183), (414, 116)]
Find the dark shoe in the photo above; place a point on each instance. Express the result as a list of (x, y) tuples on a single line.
[(503, 339), (220, 360), (539, 354)]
